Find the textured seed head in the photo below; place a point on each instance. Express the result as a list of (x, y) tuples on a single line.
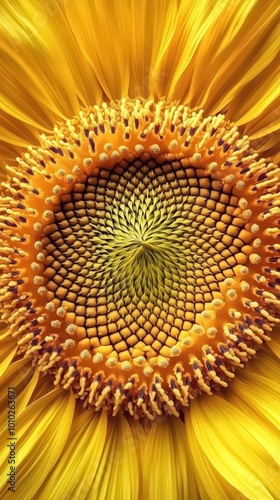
[(133, 273)]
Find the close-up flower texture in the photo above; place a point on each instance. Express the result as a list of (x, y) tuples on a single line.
[(140, 249)]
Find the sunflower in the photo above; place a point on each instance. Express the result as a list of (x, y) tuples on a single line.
[(139, 249)]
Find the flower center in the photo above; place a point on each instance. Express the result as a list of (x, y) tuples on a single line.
[(140, 242)]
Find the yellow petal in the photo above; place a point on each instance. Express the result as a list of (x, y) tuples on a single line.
[(194, 21), (243, 452), (139, 437), (241, 44), (43, 387), (209, 483), (256, 96), (100, 29), (38, 82), (149, 72), (165, 472), (41, 430), (264, 363), (276, 157), (8, 351), (257, 389), (117, 476), (266, 123), (274, 345), (261, 394), (20, 375), (80, 458), (34, 58)]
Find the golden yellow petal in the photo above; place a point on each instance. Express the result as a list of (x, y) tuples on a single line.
[(166, 461), (150, 47), (238, 48), (260, 395), (268, 146), (34, 56), (38, 76), (100, 30), (8, 350), (265, 363), (266, 124), (73, 475), (194, 21), (117, 476), (15, 136), (275, 346), (43, 387), (242, 451), (41, 430), (210, 484), (140, 440), (20, 375), (258, 95), (276, 157)]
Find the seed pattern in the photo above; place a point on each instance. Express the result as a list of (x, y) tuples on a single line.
[(140, 255), (137, 261)]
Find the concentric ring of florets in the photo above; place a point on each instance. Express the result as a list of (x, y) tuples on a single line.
[(139, 254)]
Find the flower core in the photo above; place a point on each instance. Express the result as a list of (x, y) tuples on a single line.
[(139, 255)]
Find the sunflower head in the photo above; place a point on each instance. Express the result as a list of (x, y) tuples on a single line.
[(140, 254), (139, 249)]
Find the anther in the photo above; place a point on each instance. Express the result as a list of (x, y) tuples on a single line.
[(155, 148), (103, 157), (56, 324), (37, 227), (88, 161), (254, 258), (231, 294), (85, 354), (71, 329), (98, 357), (211, 332)]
